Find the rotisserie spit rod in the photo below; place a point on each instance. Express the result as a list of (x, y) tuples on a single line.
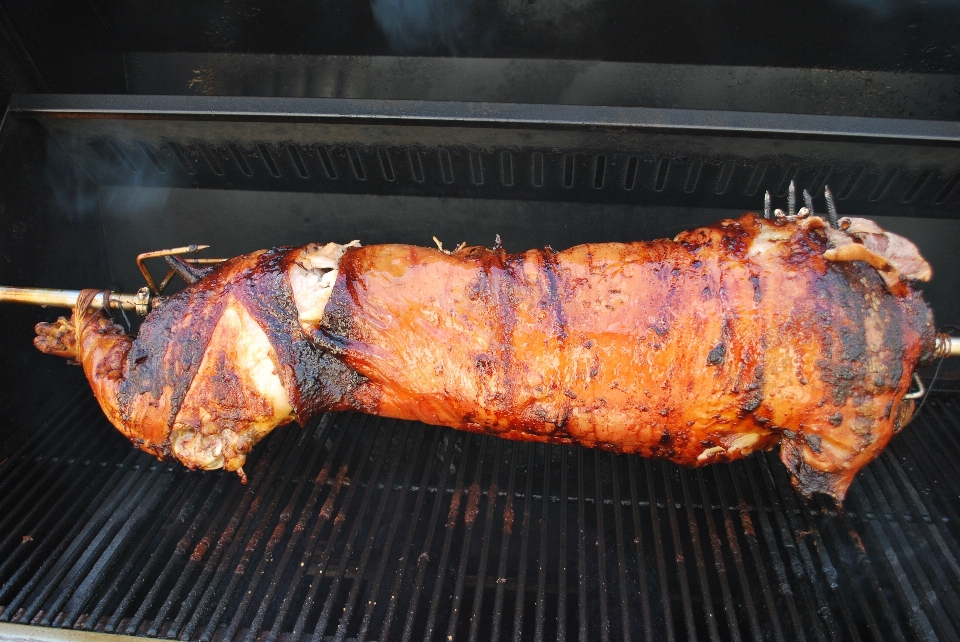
[(141, 302), (728, 339)]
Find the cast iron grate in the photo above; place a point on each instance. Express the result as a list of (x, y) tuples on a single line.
[(363, 528)]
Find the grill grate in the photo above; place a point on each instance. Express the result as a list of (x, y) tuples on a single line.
[(371, 529)]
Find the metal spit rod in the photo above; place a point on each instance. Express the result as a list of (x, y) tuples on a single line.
[(141, 302)]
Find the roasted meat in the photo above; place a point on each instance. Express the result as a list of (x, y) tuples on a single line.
[(701, 349)]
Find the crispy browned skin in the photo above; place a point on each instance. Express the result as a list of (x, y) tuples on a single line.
[(700, 349), (192, 384)]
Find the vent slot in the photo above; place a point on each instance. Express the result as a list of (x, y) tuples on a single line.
[(630, 176), (756, 178), (446, 166), (181, 158), (356, 163), (851, 183), (239, 160), (726, 175), (883, 185), (820, 179), (788, 176), (210, 159), (693, 176), (917, 186), (416, 166), (568, 170), (122, 155), (297, 161), (506, 168), (536, 175), (663, 167), (148, 152), (327, 162), (945, 192), (599, 170), (385, 165), (476, 168), (268, 160)]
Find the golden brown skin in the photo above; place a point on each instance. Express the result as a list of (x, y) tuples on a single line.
[(700, 349), (213, 371)]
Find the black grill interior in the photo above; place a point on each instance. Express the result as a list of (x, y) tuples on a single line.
[(363, 528), (135, 126)]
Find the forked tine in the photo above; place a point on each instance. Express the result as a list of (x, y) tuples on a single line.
[(174, 269), (808, 201), (831, 206)]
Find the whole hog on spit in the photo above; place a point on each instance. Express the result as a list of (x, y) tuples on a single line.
[(742, 336)]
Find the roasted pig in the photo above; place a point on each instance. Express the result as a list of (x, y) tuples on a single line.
[(701, 349)]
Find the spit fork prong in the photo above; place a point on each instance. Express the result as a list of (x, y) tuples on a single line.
[(792, 199), (188, 249), (831, 207), (808, 201)]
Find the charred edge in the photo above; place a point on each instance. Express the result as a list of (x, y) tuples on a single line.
[(757, 296), (171, 344), (717, 355), (555, 298), (315, 379), (752, 395), (805, 479), (841, 316)]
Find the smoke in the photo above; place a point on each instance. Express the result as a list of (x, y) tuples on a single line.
[(454, 27), (886, 8), (72, 195)]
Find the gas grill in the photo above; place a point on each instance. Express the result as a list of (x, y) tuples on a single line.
[(147, 133)]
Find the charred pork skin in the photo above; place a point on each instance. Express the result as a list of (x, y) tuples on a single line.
[(702, 349)]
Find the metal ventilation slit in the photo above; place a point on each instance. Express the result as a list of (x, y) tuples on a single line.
[(386, 166), (568, 169), (726, 175), (663, 167), (851, 183), (209, 158), (537, 169), (356, 163), (788, 176), (756, 178), (328, 167), (476, 168), (506, 168), (122, 155), (693, 176), (297, 161), (240, 161), (416, 166), (268, 160), (947, 190), (446, 166), (630, 176), (148, 152), (823, 175), (882, 186), (917, 186), (599, 169), (181, 157)]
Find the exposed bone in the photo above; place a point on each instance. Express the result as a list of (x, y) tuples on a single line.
[(312, 277)]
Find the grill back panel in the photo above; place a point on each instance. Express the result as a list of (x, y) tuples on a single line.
[(361, 528)]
